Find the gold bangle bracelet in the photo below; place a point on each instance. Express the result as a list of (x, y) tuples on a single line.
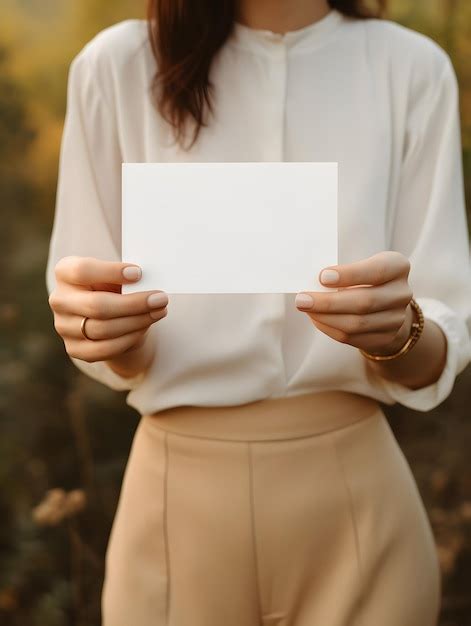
[(416, 330)]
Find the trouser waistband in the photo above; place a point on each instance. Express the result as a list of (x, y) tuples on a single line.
[(270, 418)]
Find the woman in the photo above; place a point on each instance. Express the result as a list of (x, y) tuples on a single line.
[(264, 485)]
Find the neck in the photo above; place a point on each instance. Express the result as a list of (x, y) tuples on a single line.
[(280, 16)]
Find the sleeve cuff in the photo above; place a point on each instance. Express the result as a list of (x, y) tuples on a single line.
[(102, 372), (458, 356)]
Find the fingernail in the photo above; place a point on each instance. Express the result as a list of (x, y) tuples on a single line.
[(329, 276), (157, 300), (304, 301), (132, 272)]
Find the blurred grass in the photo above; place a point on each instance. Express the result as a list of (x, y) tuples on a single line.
[(63, 430)]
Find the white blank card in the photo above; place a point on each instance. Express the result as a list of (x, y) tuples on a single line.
[(244, 227)]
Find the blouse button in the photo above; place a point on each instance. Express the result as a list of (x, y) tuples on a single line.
[(277, 37)]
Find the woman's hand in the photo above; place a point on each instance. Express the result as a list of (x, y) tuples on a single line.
[(117, 322), (371, 310)]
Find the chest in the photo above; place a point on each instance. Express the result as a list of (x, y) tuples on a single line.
[(297, 107)]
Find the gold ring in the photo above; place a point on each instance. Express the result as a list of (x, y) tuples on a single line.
[(82, 328)]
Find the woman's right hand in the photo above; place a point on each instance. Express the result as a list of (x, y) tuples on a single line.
[(118, 323)]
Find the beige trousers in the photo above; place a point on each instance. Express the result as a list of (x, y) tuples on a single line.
[(299, 511)]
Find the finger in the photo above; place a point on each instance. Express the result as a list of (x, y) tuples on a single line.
[(375, 270), (380, 321), (89, 271), (366, 341), (360, 300), (104, 305), (92, 351), (70, 325)]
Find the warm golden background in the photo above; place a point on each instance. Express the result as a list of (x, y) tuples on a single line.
[(61, 430)]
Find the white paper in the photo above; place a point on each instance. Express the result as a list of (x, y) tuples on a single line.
[(245, 227)]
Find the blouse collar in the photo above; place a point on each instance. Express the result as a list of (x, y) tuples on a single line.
[(305, 37)]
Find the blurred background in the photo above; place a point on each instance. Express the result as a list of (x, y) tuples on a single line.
[(65, 438)]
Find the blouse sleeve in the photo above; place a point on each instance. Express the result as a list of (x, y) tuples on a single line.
[(430, 228), (87, 220)]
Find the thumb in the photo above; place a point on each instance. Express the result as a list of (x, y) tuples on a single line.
[(96, 274)]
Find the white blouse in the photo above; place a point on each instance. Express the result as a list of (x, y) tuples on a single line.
[(378, 98)]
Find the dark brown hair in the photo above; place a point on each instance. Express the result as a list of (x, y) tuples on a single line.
[(185, 35)]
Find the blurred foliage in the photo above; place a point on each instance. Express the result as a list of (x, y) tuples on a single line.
[(65, 438)]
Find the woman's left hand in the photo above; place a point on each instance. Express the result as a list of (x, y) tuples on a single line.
[(371, 309)]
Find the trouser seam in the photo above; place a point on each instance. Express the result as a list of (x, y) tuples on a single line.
[(165, 528), (333, 436), (254, 536)]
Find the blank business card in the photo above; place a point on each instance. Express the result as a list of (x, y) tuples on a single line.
[(248, 227)]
